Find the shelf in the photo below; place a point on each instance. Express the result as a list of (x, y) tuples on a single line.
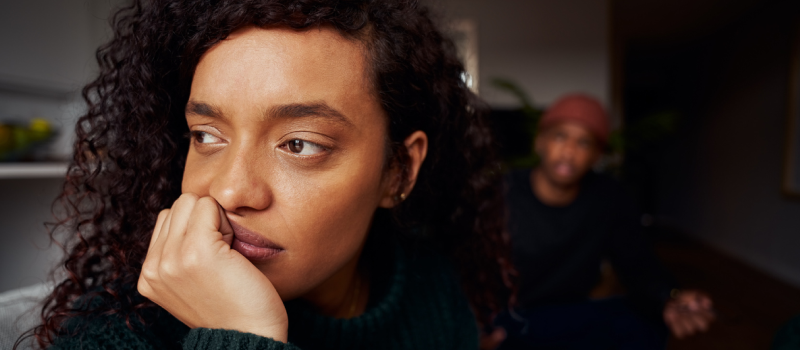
[(32, 170), (35, 87)]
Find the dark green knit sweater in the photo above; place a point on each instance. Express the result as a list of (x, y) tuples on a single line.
[(418, 306)]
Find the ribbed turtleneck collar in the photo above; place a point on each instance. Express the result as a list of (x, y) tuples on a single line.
[(312, 330)]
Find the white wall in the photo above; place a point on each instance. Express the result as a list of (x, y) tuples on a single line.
[(51, 41), (26, 256), (47, 56), (550, 47)]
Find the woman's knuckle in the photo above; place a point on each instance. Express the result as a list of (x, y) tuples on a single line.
[(207, 204), (191, 260), (149, 272), (188, 198), (143, 287), (169, 269), (207, 201)]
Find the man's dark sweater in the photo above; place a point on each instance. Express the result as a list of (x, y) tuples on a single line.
[(417, 305), (558, 250)]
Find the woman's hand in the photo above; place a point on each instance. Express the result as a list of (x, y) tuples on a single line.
[(192, 272)]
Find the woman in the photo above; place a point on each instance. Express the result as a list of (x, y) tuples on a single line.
[(285, 138)]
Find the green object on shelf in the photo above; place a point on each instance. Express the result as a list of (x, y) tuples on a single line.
[(18, 141), (6, 139), (21, 137), (39, 129)]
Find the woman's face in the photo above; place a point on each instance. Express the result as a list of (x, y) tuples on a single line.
[(288, 137)]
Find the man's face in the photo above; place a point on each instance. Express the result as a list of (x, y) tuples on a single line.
[(567, 150)]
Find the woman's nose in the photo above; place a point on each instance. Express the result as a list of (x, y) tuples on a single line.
[(242, 184)]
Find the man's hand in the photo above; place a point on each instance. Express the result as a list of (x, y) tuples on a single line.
[(192, 272), (688, 312), (490, 341)]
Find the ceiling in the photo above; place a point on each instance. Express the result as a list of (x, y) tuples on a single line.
[(662, 22)]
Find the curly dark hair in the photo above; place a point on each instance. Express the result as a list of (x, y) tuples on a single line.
[(129, 158)]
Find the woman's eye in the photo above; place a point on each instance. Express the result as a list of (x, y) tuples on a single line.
[(204, 137), (304, 148)]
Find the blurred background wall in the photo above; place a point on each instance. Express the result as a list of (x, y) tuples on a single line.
[(47, 56), (548, 47), (724, 67), (721, 181)]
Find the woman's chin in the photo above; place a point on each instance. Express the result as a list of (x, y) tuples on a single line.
[(287, 284)]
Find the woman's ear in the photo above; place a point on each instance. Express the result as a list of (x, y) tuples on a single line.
[(417, 148)]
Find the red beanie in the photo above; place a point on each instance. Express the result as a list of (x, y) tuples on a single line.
[(581, 109)]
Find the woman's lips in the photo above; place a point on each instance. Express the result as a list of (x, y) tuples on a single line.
[(252, 245)]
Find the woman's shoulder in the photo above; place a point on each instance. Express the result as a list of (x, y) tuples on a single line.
[(415, 280), (107, 320), (434, 282), (433, 286), (159, 331), (410, 267), (93, 331), (424, 265)]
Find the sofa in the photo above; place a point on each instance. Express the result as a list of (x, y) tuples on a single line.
[(19, 312)]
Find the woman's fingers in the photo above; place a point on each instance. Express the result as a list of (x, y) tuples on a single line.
[(202, 239), (191, 272), (162, 216), (225, 226), (150, 265), (208, 229), (160, 237), (144, 287), (165, 245), (181, 213), (153, 258)]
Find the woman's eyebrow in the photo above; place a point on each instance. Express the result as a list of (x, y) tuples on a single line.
[(314, 109), (291, 111), (203, 109)]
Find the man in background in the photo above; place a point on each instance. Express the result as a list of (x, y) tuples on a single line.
[(564, 220)]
